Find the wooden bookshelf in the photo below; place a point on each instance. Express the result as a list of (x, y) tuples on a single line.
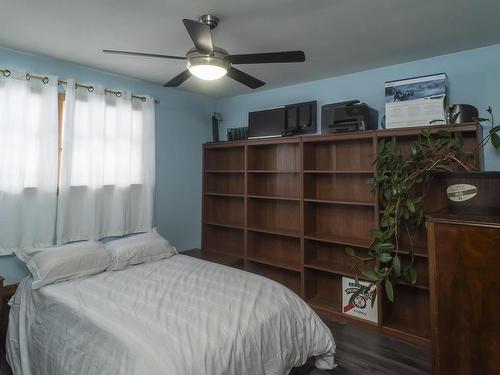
[(223, 233), (288, 208)]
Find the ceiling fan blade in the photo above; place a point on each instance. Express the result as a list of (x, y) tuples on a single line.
[(244, 78), (143, 54), (201, 36), (178, 79), (271, 57)]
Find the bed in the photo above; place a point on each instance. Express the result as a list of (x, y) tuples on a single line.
[(178, 315)]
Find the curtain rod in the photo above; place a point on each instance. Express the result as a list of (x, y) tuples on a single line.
[(7, 73)]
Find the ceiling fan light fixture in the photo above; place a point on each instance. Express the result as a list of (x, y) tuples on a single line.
[(207, 68), (208, 72)]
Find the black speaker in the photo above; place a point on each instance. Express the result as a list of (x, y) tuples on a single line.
[(216, 118)]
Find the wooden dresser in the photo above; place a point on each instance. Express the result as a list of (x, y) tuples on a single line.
[(464, 256)]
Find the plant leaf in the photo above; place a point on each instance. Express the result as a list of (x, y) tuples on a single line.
[(413, 275), (396, 263), (350, 251), (370, 275), (410, 205), (389, 291), (385, 257), (383, 246), (495, 140), (413, 148), (375, 233)]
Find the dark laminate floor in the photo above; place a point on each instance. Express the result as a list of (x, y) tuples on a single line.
[(359, 353)]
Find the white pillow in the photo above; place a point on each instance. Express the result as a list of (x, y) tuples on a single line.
[(67, 262), (140, 248), (26, 254)]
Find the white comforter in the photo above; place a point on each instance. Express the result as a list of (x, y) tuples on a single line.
[(172, 317)]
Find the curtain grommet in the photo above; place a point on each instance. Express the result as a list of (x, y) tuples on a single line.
[(143, 99), (118, 94), (28, 76), (90, 88), (45, 79), (6, 73)]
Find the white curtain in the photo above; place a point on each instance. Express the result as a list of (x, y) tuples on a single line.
[(108, 165), (28, 161)]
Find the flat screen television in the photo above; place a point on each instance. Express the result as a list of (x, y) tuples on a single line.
[(267, 123)]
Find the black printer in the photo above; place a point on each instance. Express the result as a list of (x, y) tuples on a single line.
[(348, 117)]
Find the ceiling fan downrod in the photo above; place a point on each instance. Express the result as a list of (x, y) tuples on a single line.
[(209, 20)]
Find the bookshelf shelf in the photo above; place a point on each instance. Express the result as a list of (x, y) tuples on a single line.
[(225, 225), (272, 171), (224, 171), (347, 203), (225, 195), (280, 232)]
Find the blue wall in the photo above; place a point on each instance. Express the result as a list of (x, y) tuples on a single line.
[(474, 78), (182, 124), (183, 121)]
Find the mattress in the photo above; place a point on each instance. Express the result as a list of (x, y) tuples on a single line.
[(179, 315)]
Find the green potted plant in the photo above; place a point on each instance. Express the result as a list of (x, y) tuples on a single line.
[(401, 184)]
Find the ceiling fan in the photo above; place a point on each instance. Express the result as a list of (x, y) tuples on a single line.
[(208, 62)]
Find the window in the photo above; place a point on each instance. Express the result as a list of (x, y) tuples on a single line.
[(107, 165), (28, 161), (96, 150)]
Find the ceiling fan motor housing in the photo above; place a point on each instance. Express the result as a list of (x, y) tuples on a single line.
[(219, 58), (209, 20)]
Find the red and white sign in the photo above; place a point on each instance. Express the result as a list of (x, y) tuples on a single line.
[(361, 306)]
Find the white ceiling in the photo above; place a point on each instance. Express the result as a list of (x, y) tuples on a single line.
[(338, 36)]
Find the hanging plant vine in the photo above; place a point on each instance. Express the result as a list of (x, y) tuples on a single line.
[(401, 183)]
